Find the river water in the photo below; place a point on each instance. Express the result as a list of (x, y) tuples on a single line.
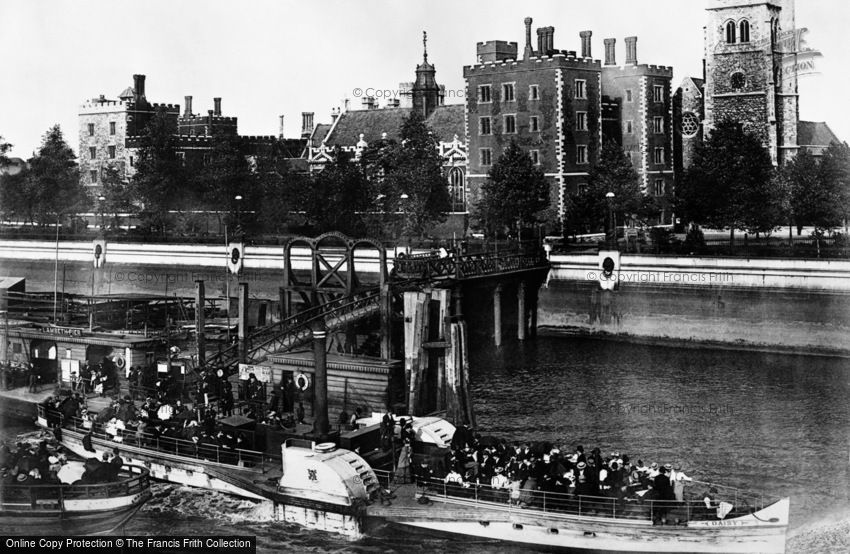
[(776, 424)]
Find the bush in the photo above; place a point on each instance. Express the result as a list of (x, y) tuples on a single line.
[(694, 241)]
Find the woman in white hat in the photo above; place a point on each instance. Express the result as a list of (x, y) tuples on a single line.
[(677, 479)]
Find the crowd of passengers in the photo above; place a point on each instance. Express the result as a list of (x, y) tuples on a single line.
[(518, 473), (28, 464), (152, 423)]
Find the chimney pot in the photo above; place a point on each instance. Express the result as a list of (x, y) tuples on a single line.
[(217, 106), (610, 53), (541, 41), (188, 112), (306, 124), (280, 132), (139, 87), (529, 51), (585, 43), (631, 51)]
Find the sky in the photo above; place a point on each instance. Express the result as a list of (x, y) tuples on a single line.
[(284, 57)]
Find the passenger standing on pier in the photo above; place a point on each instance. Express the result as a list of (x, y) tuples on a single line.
[(402, 472), (289, 395), (33, 379)]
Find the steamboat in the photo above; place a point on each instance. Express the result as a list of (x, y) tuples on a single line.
[(73, 508)]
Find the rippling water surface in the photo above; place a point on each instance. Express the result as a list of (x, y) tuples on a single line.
[(776, 424)]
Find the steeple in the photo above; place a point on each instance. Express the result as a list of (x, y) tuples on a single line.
[(425, 46), (426, 91)]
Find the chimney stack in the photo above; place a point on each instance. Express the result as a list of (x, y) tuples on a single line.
[(209, 127), (550, 40), (610, 54), (280, 132), (368, 102), (217, 106), (529, 51), (541, 41), (306, 124), (139, 87), (585, 43), (631, 51), (188, 112)]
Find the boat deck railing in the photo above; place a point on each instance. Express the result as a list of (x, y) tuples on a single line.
[(240, 457), (637, 508), (132, 480)]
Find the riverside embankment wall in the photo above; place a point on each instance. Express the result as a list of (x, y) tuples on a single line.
[(774, 304)]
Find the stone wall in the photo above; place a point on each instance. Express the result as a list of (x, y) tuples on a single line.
[(784, 305)]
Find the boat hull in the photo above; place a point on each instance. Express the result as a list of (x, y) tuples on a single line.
[(71, 521), (166, 467), (587, 533)]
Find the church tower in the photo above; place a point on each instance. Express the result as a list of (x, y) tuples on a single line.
[(750, 71)]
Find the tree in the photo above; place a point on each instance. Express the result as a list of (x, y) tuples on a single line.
[(160, 179), (336, 198), (834, 172), (226, 176), (808, 201), (53, 181), (282, 191), (408, 177), (613, 173), (4, 147), (117, 195), (729, 184), (515, 192)]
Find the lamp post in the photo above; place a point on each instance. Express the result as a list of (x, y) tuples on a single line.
[(612, 238), (100, 200), (403, 200), (238, 199)]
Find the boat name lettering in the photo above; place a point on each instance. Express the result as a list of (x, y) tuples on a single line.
[(724, 523)]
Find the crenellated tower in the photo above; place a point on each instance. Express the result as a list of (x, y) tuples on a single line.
[(751, 72)]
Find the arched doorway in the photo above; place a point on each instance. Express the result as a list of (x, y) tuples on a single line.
[(44, 358)]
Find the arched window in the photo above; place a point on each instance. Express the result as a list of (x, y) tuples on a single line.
[(730, 32), (745, 31), (457, 191)]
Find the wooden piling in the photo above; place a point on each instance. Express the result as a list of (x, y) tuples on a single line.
[(243, 323), (522, 316), (415, 333), (321, 424), (443, 296), (497, 315)]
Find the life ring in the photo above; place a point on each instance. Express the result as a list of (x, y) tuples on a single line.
[(120, 362), (302, 381)]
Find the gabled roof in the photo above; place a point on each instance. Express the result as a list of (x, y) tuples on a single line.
[(320, 132), (699, 84), (815, 133), (370, 123), (127, 93), (445, 122)]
